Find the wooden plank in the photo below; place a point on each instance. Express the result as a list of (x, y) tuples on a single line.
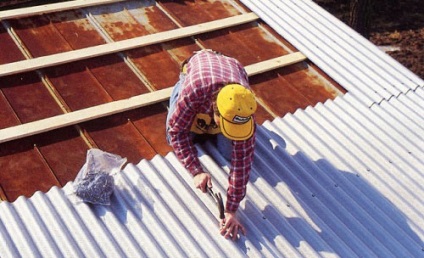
[(85, 53), (275, 63), (49, 8), (83, 115), (79, 116)]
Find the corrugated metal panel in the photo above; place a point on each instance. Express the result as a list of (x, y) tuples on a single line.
[(378, 162), (346, 56), (335, 180)]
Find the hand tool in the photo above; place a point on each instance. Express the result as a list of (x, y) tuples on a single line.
[(218, 200)]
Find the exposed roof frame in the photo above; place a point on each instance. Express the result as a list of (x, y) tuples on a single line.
[(109, 48), (56, 7), (84, 115)]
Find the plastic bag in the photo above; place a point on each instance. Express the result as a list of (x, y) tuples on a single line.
[(94, 182)]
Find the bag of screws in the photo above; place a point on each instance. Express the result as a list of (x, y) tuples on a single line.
[(94, 182)]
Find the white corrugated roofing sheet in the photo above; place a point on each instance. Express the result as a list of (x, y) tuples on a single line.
[(341, 179), (337, 180), (347, 57)]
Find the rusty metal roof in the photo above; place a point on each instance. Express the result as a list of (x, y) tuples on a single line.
[(336, 171), (62, 61)]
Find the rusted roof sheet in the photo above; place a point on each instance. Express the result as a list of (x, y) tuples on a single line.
[(65, 87)]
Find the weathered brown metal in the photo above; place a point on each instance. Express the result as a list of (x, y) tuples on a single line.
[(52, 147), (24, 171), (76, 85), (39, 36), (76, 29), (9, 50), (116, 77), (117, 134), (9, 53), (194, 12), (8, 117), (277, 94), (150, 122), (28, 97)]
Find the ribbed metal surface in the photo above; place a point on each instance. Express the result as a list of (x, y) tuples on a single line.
[(342, 53), (339, 179)]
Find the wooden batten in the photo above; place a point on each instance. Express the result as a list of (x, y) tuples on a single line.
[(275, 63), (49, 8), (83, 115), (85, 53)]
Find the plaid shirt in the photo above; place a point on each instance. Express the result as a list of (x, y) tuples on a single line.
[(207, 73)]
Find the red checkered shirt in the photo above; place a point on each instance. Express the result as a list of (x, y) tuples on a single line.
[(207, 72)]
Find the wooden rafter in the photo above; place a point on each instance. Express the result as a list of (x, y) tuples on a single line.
[(275, 63), (57, 7), (83, 115), (85, 53)]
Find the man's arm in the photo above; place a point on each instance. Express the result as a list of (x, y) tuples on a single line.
[(241, 165), (180, 139)]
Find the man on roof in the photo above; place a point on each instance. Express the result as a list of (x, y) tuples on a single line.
[(213, 97)]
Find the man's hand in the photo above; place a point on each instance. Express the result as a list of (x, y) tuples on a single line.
[(230, 226), (202, 180)]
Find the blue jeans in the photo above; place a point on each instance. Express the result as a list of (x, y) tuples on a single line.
[(172, 102), (223, 144)]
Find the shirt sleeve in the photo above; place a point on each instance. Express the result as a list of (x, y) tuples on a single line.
[(179, 132), (241, 165)]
